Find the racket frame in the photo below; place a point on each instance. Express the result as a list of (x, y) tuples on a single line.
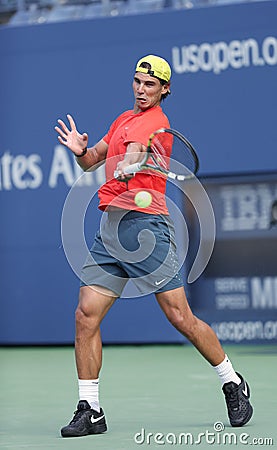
[(142, 165)]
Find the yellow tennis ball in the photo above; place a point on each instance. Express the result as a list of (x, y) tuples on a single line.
[(143, 199)]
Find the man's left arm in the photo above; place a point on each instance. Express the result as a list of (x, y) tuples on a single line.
[(134, 153)]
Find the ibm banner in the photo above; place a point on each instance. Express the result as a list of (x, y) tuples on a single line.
[(238, 293)]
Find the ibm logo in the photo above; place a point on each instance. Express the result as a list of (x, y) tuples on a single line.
[(246, 206)]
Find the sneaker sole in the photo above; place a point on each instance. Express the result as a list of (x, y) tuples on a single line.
[(98, 429), (244, 422)]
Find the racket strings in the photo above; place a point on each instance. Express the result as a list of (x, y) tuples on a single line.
[(183, 160), (161, 145)]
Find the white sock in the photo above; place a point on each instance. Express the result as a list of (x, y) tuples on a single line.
[(226, 372), (89, 391)]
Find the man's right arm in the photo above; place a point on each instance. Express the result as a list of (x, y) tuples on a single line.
[(94, 157)]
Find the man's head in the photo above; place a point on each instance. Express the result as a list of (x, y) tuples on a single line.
[(157, 67), (151, 82)]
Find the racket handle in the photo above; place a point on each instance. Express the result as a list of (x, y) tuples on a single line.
[(132, 168)]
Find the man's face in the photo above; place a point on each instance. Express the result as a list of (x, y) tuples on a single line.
[(147, 91)]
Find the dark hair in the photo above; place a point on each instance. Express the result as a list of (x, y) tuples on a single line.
[(146, 65)]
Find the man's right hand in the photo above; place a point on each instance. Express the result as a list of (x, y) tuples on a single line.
[(71, 138)]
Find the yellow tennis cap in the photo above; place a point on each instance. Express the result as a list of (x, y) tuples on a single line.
[(159, 67)]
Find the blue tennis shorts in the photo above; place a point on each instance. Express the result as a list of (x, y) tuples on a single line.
[(137, 246)]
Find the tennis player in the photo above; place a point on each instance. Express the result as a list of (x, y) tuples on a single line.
[(109, 265)]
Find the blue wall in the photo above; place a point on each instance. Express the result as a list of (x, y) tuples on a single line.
[(224, 99)]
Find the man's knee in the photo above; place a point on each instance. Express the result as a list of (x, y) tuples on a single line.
[(92, 307), (186, 324), (84, 319), (81, 314), (85, 314)]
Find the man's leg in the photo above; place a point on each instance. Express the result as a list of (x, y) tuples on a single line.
[(175, 305), (94, 303)]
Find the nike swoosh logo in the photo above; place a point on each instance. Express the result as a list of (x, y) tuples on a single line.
[(157, 283), (245, 391), (93, 420)]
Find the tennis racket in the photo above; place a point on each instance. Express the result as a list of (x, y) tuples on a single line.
[(166, 145)]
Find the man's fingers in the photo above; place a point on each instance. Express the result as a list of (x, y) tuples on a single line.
[(61, 133), (121, 176), (63, 125), (62, 141), (71, 121)]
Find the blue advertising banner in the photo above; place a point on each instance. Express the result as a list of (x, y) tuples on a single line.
[(237, 294), (224, 68)]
